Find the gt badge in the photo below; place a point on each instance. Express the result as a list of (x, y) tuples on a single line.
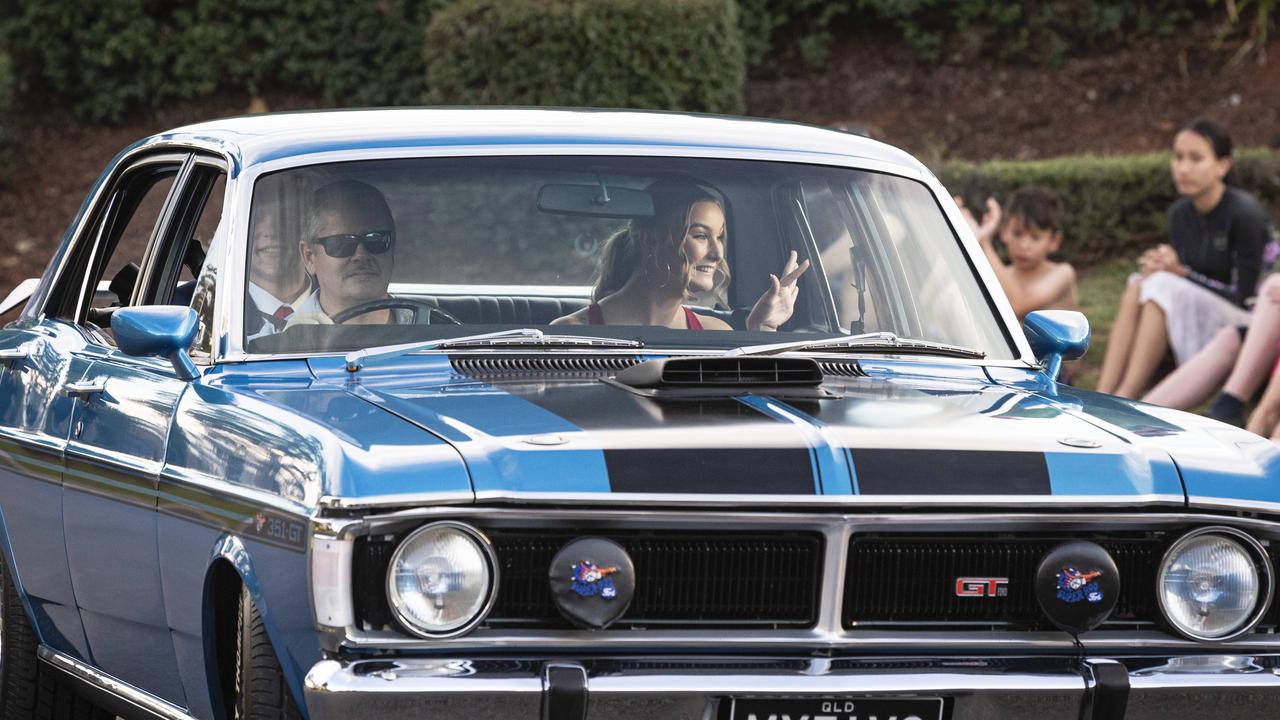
[(592, 581)]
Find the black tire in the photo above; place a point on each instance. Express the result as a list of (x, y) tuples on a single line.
[(261, 692), (30, 689)]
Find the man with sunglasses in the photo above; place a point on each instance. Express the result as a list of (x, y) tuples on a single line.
[(348, 247)]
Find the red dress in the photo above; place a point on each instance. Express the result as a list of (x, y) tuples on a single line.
[(595, 316)]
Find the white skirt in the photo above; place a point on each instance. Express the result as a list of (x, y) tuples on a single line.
[(1193, 313)]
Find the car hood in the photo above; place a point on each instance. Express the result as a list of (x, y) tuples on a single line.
[(906, 433)]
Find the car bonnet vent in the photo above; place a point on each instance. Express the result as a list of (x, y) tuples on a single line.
[(511, 366), (723, 372)]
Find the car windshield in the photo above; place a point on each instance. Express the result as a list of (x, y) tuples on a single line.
[(671, 252)]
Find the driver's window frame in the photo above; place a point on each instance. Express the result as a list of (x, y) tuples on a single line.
[(77, 284)]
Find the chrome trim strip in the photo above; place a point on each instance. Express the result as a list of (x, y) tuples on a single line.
[(112, 685), (1200, 501), (731, 519), (218, 486), (734, 500)]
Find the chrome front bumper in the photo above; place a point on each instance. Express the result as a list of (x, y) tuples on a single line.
[(695, 688)]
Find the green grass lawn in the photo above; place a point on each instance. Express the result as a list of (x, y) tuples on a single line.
[(1100, 289)]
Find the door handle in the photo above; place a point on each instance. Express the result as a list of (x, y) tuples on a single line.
[(10, 356), (85, 389)]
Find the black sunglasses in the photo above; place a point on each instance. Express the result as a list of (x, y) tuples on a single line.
[(375, 242)]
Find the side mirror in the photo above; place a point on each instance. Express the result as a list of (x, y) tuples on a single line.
[(1056, 335), (160, 330)]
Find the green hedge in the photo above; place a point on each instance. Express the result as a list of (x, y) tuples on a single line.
[(1112, 205), (109, 57), (668, 54)]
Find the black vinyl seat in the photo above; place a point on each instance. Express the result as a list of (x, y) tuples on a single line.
[(507, 309), (531, 310)]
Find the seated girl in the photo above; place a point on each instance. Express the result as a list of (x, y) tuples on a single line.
[(1202, 281), (649, 270)]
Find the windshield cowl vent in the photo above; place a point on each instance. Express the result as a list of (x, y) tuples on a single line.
[(723, 372), (841, 368), (516, 366)]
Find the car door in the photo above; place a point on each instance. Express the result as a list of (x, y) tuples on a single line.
[(35, 417), (116, 445)]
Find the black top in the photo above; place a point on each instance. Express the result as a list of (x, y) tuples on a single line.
[(1225, 250)]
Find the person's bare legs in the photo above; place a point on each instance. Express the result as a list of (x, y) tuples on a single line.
[(1258, 353), (1194, 380), (1150, 344), (1266, 416), (1120, 342)]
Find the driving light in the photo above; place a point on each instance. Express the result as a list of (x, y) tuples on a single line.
[(1214, 583), (442, 579)]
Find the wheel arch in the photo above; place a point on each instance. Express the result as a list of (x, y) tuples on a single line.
[(231, 568)]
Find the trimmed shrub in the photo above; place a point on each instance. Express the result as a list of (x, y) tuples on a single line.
[(1112, 205), (1042, 31), (663, 54), (109, 57)]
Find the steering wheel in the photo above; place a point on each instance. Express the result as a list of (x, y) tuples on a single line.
[(419, 307)]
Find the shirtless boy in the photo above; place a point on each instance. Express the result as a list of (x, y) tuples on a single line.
[(1031, 230)]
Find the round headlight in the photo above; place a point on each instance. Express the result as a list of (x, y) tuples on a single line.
[(442, 579), (1214, 583)]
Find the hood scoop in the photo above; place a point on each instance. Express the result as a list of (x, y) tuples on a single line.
[(525, 366), (723, 373)]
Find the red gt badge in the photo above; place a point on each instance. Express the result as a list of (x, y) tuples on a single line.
[(982, 587)]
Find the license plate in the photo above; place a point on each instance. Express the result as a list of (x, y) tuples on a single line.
[(837, 708)]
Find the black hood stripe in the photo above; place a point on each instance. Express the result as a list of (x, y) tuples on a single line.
[(950, 472), (747, 471)]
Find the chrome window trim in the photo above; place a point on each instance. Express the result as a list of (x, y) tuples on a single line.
[(141, 157), (229, 340), (828, 630)]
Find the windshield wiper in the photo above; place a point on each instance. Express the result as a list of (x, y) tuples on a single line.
[(518, 337), (875, 342)]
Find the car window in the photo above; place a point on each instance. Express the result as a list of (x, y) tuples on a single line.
[(359, 254), (125, 260)]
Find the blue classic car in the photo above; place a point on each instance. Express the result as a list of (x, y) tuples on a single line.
[(568, 414)]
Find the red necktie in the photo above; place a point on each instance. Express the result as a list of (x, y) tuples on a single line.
[(282, 312)]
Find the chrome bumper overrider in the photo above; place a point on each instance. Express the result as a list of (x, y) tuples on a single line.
[(1209, 686)]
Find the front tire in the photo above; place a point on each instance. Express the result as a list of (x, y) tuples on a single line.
[(261, 692), (30, 689)]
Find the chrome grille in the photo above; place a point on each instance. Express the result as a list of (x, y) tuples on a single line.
[(895, 580)]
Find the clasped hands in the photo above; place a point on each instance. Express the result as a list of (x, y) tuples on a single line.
[(1161, 258)]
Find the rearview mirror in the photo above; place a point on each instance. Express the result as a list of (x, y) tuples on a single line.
[(595, 200), (158, 330), (1056, 335)]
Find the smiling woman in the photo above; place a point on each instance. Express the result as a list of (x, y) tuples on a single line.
[(398, 250)]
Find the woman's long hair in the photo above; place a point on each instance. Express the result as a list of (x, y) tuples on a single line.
[(637, 246)]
